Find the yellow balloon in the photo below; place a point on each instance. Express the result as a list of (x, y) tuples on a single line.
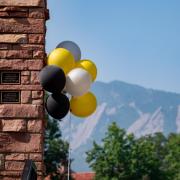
[(62, 58), (83, 106), (88, 66)]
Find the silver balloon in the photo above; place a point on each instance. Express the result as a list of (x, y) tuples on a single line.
[(72, 47), (78, 82)]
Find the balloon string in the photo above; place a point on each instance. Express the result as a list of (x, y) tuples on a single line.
[(69, 151)]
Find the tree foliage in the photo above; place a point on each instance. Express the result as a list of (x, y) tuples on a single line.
[(172, 159), (55, 151), (122, 156)]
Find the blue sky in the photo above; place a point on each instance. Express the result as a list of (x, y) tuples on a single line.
[(135, 41)]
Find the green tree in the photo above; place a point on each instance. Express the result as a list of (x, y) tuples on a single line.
[(55, 151), (111, 161), (147, 158), (122, 156), (172, 158)]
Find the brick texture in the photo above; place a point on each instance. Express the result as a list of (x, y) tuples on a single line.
[(22, 25), (13, 38), (14, 14), (14, 165), (22, 49), (22, 87), (1, 162), (36, 3), (19, 64), (26, 96), (34, 77), (16, 54), (36, 156), (83, 176), (16, 157), (15, 125), (36, 38), (37, 13), (34, 126), (20, 111), (20, 142), (31, 47)]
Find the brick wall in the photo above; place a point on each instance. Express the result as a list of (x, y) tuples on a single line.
[(22, 48), (83, 176)]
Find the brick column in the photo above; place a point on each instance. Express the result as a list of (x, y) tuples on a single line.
[(22, 50)]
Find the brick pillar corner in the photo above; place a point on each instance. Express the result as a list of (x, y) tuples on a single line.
[(22, 53)]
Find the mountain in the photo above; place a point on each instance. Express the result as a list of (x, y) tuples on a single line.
[(139, 110)]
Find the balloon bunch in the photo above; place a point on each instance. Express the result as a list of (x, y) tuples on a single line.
[(66, 73)]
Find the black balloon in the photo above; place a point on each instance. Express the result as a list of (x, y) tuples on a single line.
[(52, 79), (57, 105)]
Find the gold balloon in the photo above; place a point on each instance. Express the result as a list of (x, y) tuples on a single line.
[(88, 66), (62, 58), (83, 106)]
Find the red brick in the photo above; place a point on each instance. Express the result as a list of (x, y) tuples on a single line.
[(35, 126), (1, 162), (36, 38), (18, 14), (38, 102), (10, 178), (37, 94), (37, 13), (21, 87), (40, 178), (25, 80), (15, 125), (13, 14), (28, 47), (25, 73), (13, 38), (83, 176), (11, 175), (20, 111), (21, 142), (21, 125), (22, 25), (38, 54), (5, 46), (47, 16), (19, 64), (25, 97), (4, 14), (40, 173), (39, 166), (14, 165), (16, 157), (35, 64), (34, 77), (13, 8), (23, 3), (47, 177), (15, 54), (36, 157)]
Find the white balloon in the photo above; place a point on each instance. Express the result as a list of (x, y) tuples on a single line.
[(78, 82)]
